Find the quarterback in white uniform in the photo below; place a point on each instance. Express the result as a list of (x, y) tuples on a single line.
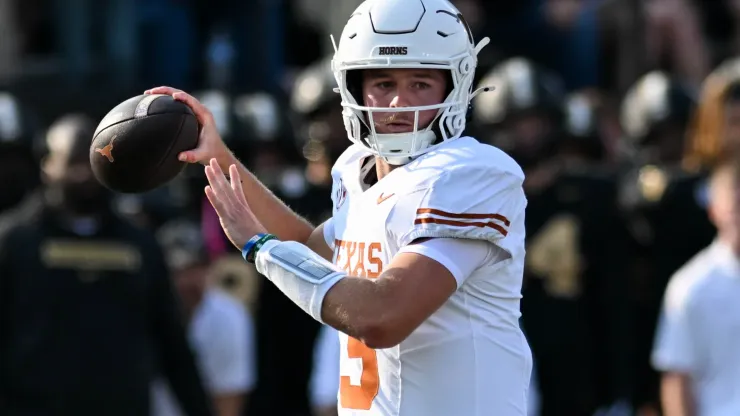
[(420, 266)]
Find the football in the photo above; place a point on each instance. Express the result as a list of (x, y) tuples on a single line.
[(135, 147)]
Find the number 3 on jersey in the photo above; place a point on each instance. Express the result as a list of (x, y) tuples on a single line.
[(360, 397)]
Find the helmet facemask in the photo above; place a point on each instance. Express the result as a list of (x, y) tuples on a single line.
[(424, 133), (400, 148)]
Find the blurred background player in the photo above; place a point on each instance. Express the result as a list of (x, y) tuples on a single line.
[(655, 115), (570, 271), (318, 108), (88, 310), (582, 145), (220, 330), (657, 194), (523, 117)]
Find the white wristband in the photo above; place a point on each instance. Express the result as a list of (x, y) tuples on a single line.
[(302, 275)]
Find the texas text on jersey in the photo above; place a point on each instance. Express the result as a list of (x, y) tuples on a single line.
[(470, 356)]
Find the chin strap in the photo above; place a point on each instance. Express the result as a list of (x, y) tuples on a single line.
[(482, 90), (482, 44)]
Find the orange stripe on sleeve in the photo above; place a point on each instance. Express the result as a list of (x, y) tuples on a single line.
[(441, 213), (453, 223)]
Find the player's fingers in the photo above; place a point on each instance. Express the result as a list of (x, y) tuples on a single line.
[(219, 183), (236, 185), (194, 156), (222, 194), (202, 113), (162, 90), (187, 156), (217, 204), (216, 180)]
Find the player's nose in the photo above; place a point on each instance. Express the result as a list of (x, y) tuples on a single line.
[(400, 100)]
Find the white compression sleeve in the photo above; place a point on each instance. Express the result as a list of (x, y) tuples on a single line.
[(302, 275)]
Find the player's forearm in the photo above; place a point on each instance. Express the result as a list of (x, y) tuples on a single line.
[(371, 310), (364, 309), (272, 213), (676, 396)]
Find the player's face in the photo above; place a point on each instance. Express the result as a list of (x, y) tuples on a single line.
[(399, 88)]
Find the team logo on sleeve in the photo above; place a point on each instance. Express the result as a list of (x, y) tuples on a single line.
[(340, 195)]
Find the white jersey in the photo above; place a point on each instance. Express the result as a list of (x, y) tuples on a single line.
[(470, 357)]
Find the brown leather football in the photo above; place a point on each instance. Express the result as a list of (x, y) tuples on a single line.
[(136, 145)]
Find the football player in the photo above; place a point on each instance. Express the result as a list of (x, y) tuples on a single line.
[(321, 130), (427, 233), (583, 143), (662, 203), (523, 117)]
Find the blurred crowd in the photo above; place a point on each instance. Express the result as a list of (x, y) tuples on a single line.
[(617, 110)]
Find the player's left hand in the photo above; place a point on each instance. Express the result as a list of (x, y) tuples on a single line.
[(227, 198)]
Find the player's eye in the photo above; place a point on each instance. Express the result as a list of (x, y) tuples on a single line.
[(384, 85), (421, 85)]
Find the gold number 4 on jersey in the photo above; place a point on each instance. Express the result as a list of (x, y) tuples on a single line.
[(554, 255)]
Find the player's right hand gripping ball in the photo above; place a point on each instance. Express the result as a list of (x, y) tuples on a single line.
[(136, 145)]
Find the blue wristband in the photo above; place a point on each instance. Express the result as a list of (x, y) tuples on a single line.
[(250, 244)]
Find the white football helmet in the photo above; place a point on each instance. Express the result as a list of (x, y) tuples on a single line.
[(396, 34)]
